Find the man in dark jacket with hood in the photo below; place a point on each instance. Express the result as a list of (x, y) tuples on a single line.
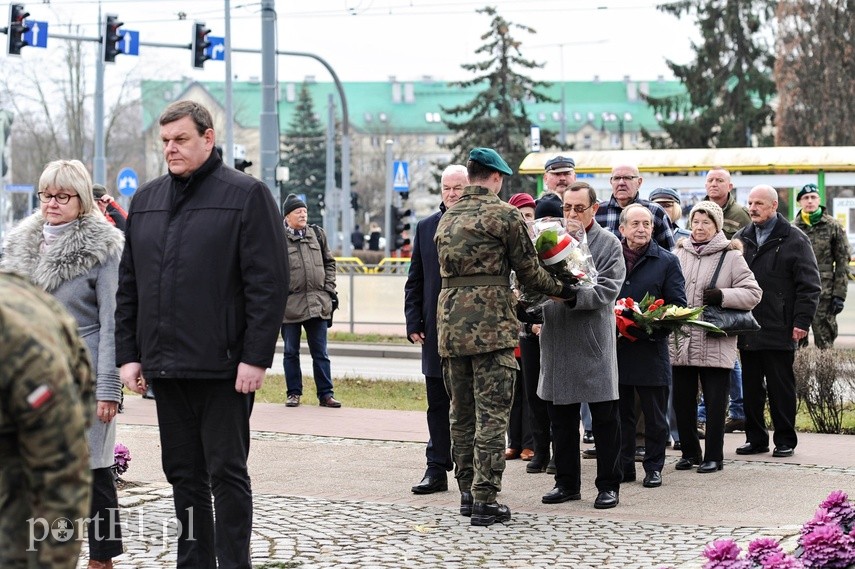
[(202, 289), (782, 260), (421, 293)]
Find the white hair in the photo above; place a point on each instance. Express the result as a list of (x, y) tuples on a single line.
[(771, 192), (452, 169)]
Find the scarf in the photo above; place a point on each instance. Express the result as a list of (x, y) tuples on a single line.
[(632, 256), (812, 218), (51, 233)]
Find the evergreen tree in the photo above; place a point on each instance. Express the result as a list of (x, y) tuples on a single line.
[(729, 85), (815, 73), (497, 116), (303, 151)]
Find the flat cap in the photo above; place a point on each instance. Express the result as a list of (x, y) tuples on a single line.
[(491, 159), (560, 164), (665, 194)]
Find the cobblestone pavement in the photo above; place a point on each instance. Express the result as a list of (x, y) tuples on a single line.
[(311, 532)]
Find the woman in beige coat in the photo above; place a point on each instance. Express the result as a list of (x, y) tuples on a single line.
[(698, 356)]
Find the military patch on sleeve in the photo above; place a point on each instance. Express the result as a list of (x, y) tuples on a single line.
[(39, 396)]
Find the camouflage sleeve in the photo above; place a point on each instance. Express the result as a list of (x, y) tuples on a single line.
[(46, 407), (522, 257), (841, 257)]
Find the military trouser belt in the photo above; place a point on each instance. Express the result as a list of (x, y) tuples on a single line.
[(476, 280)]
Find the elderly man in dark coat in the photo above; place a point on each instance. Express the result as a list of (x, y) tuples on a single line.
[(421, 293), (644, 366), (579, 363)]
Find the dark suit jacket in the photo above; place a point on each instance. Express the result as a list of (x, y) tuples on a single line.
[(421, 292)]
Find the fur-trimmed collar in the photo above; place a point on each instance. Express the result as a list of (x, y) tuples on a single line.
[(89, 242)]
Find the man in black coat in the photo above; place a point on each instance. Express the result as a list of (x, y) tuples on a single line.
[(420, 299), (782, 260), (202, 288)]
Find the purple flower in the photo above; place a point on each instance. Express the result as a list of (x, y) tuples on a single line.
[(724, 554), (839, 508), (122, 456), (827, 547), (819, 519), (761, 548), (780, 560)]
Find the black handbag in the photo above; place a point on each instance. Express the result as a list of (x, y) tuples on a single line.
[(732, 321)]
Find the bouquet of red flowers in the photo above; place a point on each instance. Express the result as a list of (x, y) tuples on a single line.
[(652, 314)]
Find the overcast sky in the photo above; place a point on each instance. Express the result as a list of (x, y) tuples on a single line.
[(370, 40)]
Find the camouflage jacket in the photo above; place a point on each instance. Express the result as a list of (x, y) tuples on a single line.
[(483, 236), (46, 401), (831, 247), (735, 216)]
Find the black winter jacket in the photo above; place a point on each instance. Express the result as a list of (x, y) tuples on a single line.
[(204, 275), (785, 268)]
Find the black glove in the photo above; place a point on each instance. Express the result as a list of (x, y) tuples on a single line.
[(530, 314), (836, 305), (568, 293), (712, 297), (334, 298), (639, 333)]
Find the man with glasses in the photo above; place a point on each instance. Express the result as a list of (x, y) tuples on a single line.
[(421, 293), (591, 375), (625, 181)]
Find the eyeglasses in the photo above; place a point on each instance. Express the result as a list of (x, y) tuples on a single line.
[(577, 208), (623, 178), (61, 199)]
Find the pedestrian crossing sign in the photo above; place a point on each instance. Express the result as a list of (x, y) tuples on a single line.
[(401, 180)]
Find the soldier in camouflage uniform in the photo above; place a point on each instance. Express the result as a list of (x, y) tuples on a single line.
[(831, 247), (479, 241), (46, 400)]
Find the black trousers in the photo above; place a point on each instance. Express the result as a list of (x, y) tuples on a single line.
[(539, 422), (653, 401), (104, 530), (605, 422), (204, 437), (438, 451), (519, 422), (776, 368), (715, 382)]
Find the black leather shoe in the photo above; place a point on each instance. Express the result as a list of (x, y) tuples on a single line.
[(639, 454), (466, 503), (330, 401), (558, 495), (431, 484), (628, 477), (551, 468), (751, 448), (484, 514), (589, 452), (708, 466), (652, 479), (783, 451), (606, 499), (677, 445), (687, 463), (588, 437), (537, 464)]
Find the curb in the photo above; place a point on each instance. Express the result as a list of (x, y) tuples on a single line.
[(356, 350)]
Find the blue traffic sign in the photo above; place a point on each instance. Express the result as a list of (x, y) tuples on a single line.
[(38, 34), (217, 50), (19, 188), (127, 181), (129, 42), (401, 173)]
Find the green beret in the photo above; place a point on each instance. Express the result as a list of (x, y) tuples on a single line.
[(491, 159)]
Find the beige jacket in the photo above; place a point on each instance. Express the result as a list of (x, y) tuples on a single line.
[(739, 290)]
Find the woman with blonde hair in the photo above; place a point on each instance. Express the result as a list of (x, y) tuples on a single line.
[(69, 249)]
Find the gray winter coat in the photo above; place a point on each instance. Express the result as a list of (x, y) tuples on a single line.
[(739, 289), (81, 269), (578, 358)]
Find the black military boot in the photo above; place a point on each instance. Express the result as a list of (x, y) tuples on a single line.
[(484, 514), (465, 503)]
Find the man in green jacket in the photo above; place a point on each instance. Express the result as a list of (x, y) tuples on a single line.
[(479, 241), (831, 247), (720, 190)]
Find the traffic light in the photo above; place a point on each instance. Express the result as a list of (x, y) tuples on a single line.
[(200, 44), (17, 29), (400, 224), (111, 38)]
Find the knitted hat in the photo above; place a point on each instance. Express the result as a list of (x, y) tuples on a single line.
[(712, 209), (522, 200), (292, 202), (549, 205)]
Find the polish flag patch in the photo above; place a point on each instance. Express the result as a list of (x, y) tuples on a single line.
[(39, 396)]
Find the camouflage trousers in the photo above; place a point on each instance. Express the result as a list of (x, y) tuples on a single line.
[(824, 325), (482, 391)]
